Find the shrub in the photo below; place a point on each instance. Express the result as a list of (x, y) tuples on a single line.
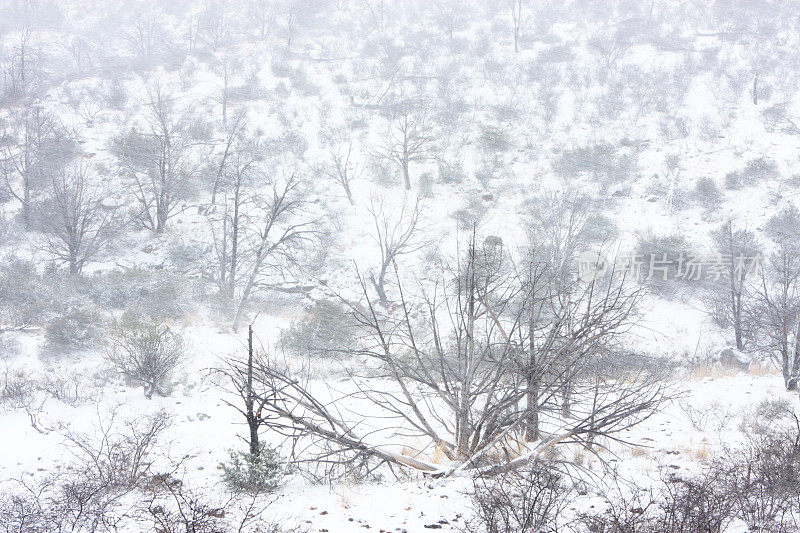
[(281, 68), (493, 140), (601, 162), (425, 185), (147, 353), (662, 251), (733, 180), (246, 472), (694, 504), (147, 292), (9, 346), (23, 298), (325, 329), (78, 329), (764, 476), (450, 171), (524, 501), (677, 505), (755, 171), (707, 193), (108, 466)]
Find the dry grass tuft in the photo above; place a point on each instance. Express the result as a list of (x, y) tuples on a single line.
[(640, 451), (763, 368)]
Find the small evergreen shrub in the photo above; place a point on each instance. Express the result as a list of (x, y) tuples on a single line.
[(246, 472), (707, 193), (78, 329)]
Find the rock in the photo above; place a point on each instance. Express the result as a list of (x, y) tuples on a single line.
[(733, 358)]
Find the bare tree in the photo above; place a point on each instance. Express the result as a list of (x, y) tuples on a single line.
[(234, 133), (287, 19), (158, 161), (241, 373), (517, 7), (260, 15), (451, 369), (377, 12), (224, 68), (778, 310), (147, 36), (276, 229), (560, 226), (395, 237), (146, 352), (409, 136), (451, 15), (76, 224), (21, 70), (34, 147), (240, 172), (214, 25), (729, 297), (341, 168)]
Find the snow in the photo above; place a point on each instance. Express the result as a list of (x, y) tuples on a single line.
[(338, 58)]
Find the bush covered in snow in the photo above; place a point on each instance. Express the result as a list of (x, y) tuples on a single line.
[(326, 329), (246, 472)]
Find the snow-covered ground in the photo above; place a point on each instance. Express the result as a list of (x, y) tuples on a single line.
[(644, 111)]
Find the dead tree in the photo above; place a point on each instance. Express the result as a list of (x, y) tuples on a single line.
[(560, 226), (234, 137), (158, 161), (395, 237), (33, 148), (292, 410), (76, 225), (240, 172), (260, 16), (778, 310), (729, 297), (241, 375), (409, 136), (451, 364), (342, 169), (516, 7), (276, 229), (21, 70)]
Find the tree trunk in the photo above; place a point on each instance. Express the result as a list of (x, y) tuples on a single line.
[(252, 418), (406, 177), (785, 361), (566, 400), (464, 400), (379, 285), (246, 293), (161, 215), (234, 247), (532, 393), (348, 192), (26, 205), (73, 264), (532, 399)]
